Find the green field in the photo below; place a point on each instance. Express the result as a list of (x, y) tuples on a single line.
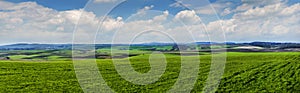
[(244, 72)]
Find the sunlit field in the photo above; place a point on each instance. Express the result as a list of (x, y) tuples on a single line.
[(244, 72)]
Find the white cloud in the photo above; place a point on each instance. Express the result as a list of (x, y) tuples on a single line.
[(279, 30), (143, 11), (260, 12), (30, 22), (161, 18), (5, 5), (188, 17), (261, 2), (271, 22), (179, 4), (213, 8), (249, 4), (104, 1), (226, 11), (162, 28), (243, 7), (291, 10), (112, 24)]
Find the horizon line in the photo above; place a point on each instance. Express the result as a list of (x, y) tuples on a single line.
[(152, 42)]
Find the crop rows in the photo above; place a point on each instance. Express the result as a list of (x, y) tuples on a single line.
[(245, 72)]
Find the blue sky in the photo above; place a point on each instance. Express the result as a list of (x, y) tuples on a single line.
[(131, 5), (60, 5), (125, 9), (53, 21)]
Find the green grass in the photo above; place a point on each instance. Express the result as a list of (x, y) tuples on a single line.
[(244, 72)]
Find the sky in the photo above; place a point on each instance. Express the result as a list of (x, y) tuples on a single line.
[(141, 21)]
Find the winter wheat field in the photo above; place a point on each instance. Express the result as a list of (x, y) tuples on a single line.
[(149, 46), (244, 72)]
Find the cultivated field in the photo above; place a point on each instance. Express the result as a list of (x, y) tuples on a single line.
[(244, 72)]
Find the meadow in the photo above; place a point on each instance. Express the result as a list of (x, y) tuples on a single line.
[(244, 72)]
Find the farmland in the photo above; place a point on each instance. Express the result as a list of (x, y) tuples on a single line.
[(244, 72)]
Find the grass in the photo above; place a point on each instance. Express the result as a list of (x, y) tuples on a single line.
[(37, 77), (244, 72)]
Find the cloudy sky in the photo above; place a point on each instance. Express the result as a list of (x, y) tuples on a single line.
[(116, 21)]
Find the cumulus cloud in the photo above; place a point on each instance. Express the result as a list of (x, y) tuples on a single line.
[(128, 31), (30, 22), (188, 17), (161, 29), (276, 21), (291, 10), (112, 24), (5, 5), (161, 18)]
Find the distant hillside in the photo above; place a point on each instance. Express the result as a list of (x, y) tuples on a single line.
[(23, 46), (276, 45), (271, 45)]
